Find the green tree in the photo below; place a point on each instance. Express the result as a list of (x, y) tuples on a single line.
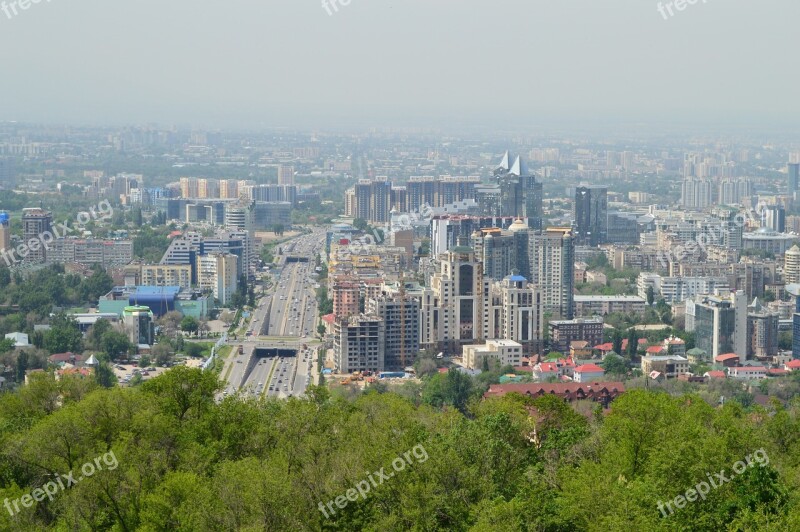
[(115, 344), (104, 374), (64, 335), (615, 364), (189, 324), (21, 367)]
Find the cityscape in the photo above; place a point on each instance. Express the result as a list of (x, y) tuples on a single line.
[(427, 304)]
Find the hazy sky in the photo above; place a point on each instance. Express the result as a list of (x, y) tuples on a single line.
[(399, 62)]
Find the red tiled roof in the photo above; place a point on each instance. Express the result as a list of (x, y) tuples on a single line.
[(716, 374), (778, 372), (64, 357), (655, 349), (329, 318), (590, 368), (605, 347), (726, 356), (793, 364), (571, 390)]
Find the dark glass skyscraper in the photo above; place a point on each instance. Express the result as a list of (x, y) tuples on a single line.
[(520, 192), (591, 215)]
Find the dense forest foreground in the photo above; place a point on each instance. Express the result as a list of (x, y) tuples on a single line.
[(167, 456)]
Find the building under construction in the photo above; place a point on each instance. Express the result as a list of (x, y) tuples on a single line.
[(400, 316)]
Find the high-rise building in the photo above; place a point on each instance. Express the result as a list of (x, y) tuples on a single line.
[(5, 231), (166, 275), (228, 189), (286, 175), (552, 268), (591, 215), (460, 297), (346, 298), (359, 344), (520, 312), (363, 194), (218, 273), (719, 323), (503, 252), (446, 229), (791, 265), (272, 193), (239, 216), (35, 224), (400, 317), (732, 191), (775, 218), (380, 204), (794, 177), (520, 192), (7, 172), (762, 331), (696, 193), (189, 187), (207, 188)]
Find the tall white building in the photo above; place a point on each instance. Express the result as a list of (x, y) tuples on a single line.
[(517, 312), (218, 273), (696, 193), (456, 308), (552, 259), (791, 265)]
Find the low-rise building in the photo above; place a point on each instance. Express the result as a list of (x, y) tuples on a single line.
[(669, 365), (564, 332), (506, 352), (589, 373), (747, 372)]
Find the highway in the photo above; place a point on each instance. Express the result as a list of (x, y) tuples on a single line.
[(273, 361)]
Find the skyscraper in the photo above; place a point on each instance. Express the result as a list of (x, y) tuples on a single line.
[(791, 266), (286, 175), (775, 218), (794, 178), (591, 215), (400, 316), (35, 224), (520, 193), (552, 257), (696, 193), (719, 323), (6, 172), (461, 293)]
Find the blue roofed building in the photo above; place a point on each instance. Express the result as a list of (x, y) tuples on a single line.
[(160, 300)]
